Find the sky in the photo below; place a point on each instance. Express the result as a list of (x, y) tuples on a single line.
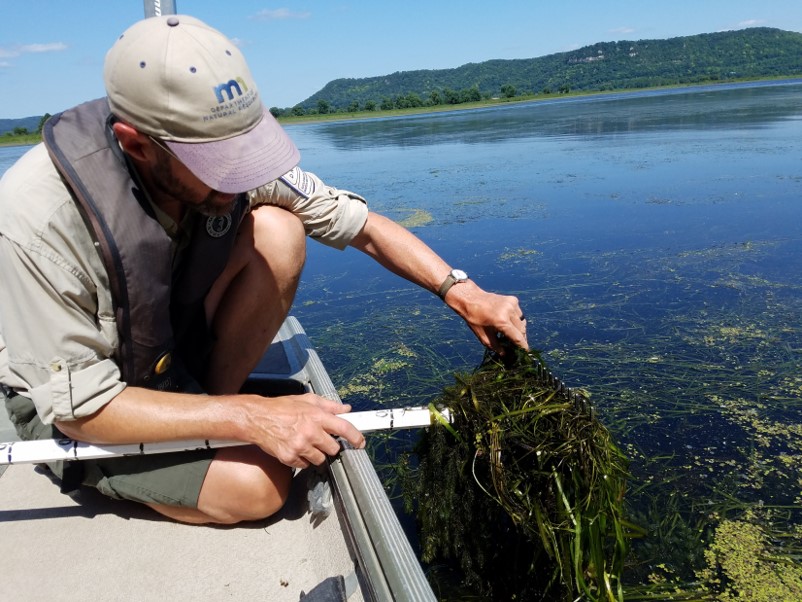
[(51, 52)]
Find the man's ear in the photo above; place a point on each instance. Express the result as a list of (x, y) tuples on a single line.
[(136, 144)]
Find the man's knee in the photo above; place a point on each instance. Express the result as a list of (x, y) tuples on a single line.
[(279, 236), (244, 484)]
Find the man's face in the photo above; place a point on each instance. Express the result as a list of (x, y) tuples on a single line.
[(171, 178)]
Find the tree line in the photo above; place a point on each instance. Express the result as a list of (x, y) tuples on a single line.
[(726, 56), (23, 131), (411, 100)]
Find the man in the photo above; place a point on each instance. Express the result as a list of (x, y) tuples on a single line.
[(141, 284)]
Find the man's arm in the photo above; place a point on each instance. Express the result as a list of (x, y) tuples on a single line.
[(296, 429), (401, 252)]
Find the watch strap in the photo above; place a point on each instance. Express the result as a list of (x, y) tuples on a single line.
[(454, 276), (446, 286)]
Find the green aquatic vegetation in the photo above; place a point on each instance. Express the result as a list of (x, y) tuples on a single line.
[(742, 566), (516, 255), (693, 358), (418, 217), (372, 379), (524, 492)]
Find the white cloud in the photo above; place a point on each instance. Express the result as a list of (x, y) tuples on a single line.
[(279, 14), (20, 49), (52, 47), (622, 30), (745, 23)]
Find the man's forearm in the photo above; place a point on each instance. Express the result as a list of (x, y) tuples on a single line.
[(142, 415), (295, 429), (401, 252)]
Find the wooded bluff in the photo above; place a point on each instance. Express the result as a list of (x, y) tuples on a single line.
[(753, 53)]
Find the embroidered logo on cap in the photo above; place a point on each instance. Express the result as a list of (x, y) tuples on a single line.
[(229, 104), (229, 86)]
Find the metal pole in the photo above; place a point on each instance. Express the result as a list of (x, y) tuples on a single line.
[(157, 8)]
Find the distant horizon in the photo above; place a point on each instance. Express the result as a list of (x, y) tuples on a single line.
[(53, 59), (574, 96)]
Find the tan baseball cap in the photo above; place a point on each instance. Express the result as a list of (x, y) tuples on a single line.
[(177, 79)]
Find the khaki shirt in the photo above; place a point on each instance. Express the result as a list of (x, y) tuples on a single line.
[(58, 335)]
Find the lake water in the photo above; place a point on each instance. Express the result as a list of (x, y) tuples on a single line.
[(654, 241)]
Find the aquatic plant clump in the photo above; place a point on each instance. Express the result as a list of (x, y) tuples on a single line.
[(524, 491)]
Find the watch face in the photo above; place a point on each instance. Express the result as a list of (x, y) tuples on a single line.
[(459, 274)]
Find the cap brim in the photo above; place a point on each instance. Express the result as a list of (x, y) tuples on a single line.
[(242, 163)]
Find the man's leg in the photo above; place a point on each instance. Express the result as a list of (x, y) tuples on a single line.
[(250, 300), (242, 484), (245, 308)]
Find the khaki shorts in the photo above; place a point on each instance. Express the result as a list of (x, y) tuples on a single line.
[(174, 479)]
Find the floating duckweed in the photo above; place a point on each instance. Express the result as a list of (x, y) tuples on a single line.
[(372, 379), (419, 217), (742, 567), (516, 254)]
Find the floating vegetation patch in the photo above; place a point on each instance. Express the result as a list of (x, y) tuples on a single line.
[(524, 492), (662, 201), (418, 218), (517, 255), (741, 565), (372, 380)]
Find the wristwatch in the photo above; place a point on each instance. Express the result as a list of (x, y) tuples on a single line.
[(454, 277)]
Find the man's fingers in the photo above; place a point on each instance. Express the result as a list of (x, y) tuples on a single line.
[(336, 407), (346, 430), (316, 457), (342, 428), (515, 334)]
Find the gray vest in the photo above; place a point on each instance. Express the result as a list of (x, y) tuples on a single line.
[(149, 296)]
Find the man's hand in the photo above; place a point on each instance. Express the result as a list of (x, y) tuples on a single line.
[(489, 315), (299, 430)]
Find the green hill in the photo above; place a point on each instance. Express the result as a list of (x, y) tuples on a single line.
[(745, 54), (31, 124)]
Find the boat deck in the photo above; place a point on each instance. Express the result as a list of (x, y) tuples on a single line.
[(87, 547)]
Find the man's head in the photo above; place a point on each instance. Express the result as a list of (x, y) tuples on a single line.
[(180, 81)]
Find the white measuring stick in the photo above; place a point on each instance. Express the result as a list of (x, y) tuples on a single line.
[(53, 450)]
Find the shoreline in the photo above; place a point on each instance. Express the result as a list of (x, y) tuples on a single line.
[(32, 139), (530, 98), (27, 140)]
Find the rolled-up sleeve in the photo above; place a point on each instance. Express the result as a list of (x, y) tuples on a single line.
[(58, 335), (330, 215)]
